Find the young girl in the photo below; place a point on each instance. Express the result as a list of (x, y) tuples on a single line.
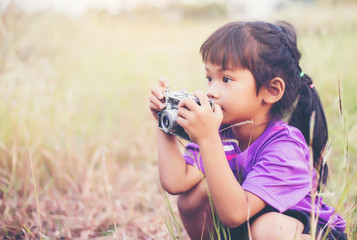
[(256, 167)]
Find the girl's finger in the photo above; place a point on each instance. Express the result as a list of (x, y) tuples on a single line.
[(183, 112), (182, 122), (218, 113), (202, 98), (158, 91), (188, 103), (157, 103), (217, 109), (164, 82), (153, 107)]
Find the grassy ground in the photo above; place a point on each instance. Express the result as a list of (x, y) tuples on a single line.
[(77, 142)]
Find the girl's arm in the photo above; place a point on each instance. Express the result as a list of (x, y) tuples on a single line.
[(176, 176), (233, 204)]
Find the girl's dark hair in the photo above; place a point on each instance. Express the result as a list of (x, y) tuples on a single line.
[(270, 50)]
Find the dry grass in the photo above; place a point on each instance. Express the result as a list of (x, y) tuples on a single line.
[(68, 132), (73, 103)]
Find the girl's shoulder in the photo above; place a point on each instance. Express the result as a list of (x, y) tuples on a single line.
[(282, 145), (281, 130), (276, 131), (280, 136)]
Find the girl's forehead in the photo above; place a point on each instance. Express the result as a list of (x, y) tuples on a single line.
[(231, 50), (228, 56), (222, 66), (212, 67)]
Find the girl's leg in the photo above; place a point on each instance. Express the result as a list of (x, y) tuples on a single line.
[(273, 225), (195, 212)]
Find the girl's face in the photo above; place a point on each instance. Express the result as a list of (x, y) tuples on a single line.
[(235, 91)]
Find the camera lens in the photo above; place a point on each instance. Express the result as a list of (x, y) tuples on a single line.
[(165, 121), (168, 120)]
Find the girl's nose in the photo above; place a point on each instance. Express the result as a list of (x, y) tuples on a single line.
[(212, 92)]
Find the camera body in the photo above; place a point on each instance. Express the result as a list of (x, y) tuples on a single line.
[(168, 116)]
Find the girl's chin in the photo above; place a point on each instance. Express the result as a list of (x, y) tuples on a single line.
[(225, 122)]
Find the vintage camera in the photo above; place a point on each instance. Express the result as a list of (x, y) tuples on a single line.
[(168, 116)]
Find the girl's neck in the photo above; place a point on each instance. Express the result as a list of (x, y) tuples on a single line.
[(246, 134)]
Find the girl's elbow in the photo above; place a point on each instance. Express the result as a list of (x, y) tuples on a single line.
[(233, 221), (231, 224), (171, 188), (175, 185), (172, 191)]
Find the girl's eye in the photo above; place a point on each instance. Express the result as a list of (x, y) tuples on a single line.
[(226, 79), (209, 78)]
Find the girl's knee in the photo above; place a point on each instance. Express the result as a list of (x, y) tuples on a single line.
[(194, 209), (193, 201), (273, 226)]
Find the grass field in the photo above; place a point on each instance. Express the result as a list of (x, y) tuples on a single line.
[(77, 141)]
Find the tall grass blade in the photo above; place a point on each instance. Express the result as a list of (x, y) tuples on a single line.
[(13, 164), (343, 123), (169, 227), (172, 214), (36, 195), (204, 223), (218, 226), (29, 231), (313, 223)]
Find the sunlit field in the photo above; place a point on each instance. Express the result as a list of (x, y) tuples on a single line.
[(77, 140)]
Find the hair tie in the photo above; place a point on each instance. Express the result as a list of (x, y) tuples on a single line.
[(311, 85), (277, 27)]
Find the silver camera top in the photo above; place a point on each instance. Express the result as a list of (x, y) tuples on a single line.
[(173, 98)]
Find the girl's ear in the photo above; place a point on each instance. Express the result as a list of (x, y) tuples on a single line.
[(275, 90)]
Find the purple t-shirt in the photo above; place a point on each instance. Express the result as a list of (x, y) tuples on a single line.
[(275, 167)]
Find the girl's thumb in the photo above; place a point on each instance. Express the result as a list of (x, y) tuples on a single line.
[(218, 110)]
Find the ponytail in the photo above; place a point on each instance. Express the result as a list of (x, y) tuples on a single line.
[(309, 102)]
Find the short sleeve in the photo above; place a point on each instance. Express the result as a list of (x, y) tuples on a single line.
[(281, 175), (192, 156)]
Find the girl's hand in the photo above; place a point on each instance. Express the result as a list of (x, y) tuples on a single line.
[(200, 122), (157, 96)]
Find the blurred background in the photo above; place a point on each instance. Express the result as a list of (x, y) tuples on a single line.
[(77, 140)]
